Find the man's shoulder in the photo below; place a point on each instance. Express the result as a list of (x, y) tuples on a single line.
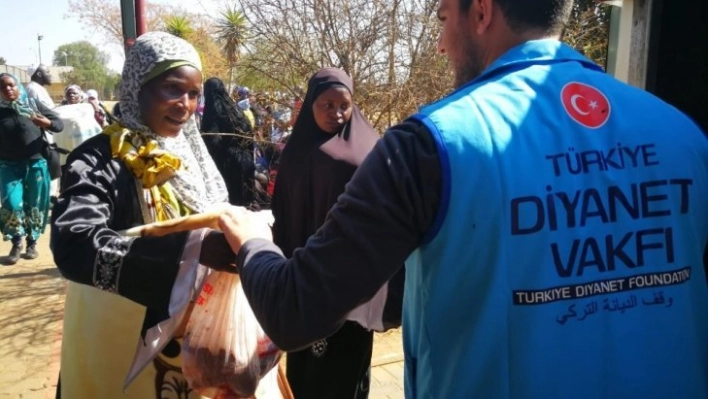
[(34, 85), (39, 92)]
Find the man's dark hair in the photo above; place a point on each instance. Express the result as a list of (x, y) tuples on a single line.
[(548, 16)]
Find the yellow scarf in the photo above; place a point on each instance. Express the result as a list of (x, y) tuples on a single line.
[(152, 166)]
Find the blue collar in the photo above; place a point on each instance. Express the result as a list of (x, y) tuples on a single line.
[(544, 51)]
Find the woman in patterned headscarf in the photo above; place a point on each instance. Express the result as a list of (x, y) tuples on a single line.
[(72, 95), (125, 292), (24, 178)]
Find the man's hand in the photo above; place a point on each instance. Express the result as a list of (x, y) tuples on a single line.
[(41, 121), (240, 225), (216, 253)]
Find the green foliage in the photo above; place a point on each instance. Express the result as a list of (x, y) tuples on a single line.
[(2, 61), (178, 25), (196, 29), (230, 33), (89, 64), (110, 88)]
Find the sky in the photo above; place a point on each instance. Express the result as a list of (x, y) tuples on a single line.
[(29, 18)]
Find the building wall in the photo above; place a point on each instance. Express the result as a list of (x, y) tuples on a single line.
[(56, 89), (18, 72)]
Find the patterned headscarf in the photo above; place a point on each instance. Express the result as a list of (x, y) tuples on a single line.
[(21, 105), (198, 183)]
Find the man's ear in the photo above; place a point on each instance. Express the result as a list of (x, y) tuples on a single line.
[(482, 12)]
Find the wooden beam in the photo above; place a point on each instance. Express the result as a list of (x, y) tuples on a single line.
[(620, 40), (640, 42)]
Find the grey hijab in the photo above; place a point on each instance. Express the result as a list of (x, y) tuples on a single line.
[(198, 183)]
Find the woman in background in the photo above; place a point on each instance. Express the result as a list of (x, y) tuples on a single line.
[(329, 140), (24, 177), (231, 149), (72, 95), (102, 116), (81, 120)]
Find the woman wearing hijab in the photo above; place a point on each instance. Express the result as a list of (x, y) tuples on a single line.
[(128, 292), (329, 140), (24, 177), (100, 113), (232, 153), (72, 95), (81, 120)]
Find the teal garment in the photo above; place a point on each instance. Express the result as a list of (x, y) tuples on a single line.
[(23, 105), (566, 260), (24, 196)]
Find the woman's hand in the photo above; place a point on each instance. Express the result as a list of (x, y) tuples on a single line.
[(41, 121)]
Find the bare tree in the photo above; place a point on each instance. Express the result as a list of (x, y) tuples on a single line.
[(389, 47), (589, 29), (104, 17), (386, 46)]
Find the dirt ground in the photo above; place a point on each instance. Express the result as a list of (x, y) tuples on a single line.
[(31, 310)]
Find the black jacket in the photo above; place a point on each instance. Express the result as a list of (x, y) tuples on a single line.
[(99, 197), (20, 139)]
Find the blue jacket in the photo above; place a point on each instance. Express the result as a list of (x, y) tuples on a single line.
[(566, 259)]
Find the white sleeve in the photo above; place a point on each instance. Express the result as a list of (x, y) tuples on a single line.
[(370, 314)]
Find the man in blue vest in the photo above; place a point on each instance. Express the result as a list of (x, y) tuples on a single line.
[(553, 221)]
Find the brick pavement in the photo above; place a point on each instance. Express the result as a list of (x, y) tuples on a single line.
[(31, 310), (387, 381), (387, 366)]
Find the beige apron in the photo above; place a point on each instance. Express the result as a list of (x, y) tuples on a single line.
[(101, 332)]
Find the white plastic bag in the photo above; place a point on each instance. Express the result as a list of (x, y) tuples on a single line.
[(225, 351)]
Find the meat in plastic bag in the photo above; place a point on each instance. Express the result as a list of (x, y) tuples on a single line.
[(225, 351)]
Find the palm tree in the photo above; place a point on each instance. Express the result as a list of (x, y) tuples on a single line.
[(230, 33), (178, 25)]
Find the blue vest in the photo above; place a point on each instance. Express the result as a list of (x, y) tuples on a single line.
[(566, 257)]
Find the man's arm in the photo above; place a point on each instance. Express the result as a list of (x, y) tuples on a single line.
[(387, 208), (57, 125)]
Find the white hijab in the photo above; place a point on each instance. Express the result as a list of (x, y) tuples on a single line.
[(198, 183)]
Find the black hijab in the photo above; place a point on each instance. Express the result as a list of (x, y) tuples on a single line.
[(221, 115), (316, 165), (232, 153)]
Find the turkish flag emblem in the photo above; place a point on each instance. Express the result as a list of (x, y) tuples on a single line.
[(585, 104)]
